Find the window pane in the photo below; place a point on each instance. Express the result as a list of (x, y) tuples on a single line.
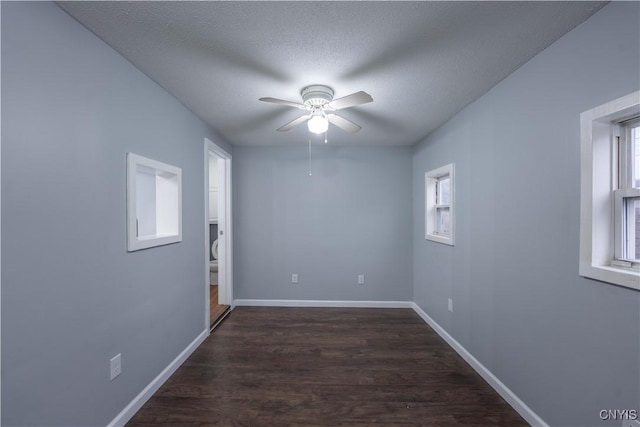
[(444, 185), (443, 217), (633, 229), (635, 142)]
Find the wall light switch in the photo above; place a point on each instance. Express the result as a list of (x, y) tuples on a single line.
[(450, 305), (294, 278), (116, 365), (360, 279)]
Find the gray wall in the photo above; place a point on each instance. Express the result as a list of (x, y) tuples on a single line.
[(352, 216), (566, 345), (72, 297)]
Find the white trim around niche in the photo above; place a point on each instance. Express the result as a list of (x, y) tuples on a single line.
[(168, 202)]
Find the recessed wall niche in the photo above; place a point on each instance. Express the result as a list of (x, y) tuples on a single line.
[(154, 203)]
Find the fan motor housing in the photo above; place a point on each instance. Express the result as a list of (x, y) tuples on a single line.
[(316, 95)]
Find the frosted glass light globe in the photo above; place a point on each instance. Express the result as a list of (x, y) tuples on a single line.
[(318, 124)]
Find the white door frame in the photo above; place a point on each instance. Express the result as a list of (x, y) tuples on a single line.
[(226, 228)]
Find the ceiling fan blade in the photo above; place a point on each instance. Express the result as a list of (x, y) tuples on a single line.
[(294, 122), (343, 123), (351, 100), (283, 102)]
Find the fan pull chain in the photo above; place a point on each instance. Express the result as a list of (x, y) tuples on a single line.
[(325, 135), (309, 156)]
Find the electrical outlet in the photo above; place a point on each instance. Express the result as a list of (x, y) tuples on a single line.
[(116, 365), (294, 278), (450, 305), (631, 423), (360, 279)]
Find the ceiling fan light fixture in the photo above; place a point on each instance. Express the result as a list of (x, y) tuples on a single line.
[(318, 100), (315, 96), (318, 124)]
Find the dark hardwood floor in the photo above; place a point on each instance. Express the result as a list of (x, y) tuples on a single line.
[(325, 367), (215, 310)]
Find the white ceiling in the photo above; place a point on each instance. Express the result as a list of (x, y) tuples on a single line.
[(421, 61)]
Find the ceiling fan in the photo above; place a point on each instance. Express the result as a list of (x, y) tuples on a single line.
[(318, 101)]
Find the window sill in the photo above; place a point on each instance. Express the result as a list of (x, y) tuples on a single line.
[(145, 242), (447, 240), (628, 278)]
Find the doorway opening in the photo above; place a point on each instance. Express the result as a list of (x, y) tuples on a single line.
[(218, 234)]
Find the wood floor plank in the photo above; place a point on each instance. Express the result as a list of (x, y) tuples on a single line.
[(325, 367), (215, 310)]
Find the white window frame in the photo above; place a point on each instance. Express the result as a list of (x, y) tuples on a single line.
[(431, 206), (622, 214), (599, 191), (621, 218)]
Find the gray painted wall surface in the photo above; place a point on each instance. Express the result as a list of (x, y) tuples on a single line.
[(352, 216), (72, 297), (566, 345)]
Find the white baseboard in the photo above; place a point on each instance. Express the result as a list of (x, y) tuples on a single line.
[(320, 303), (134, 406), (504, 391)]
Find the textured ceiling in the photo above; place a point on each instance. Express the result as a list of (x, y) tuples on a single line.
[(421, 61)]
